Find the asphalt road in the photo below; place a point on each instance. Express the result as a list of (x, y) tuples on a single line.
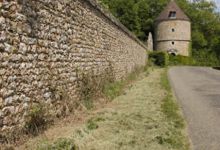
[(198, 92)]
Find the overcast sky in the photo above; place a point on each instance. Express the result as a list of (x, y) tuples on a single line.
[(217, 2)]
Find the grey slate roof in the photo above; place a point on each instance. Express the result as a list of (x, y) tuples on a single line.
[(172, 6)]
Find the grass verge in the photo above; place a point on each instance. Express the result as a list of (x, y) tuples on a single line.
[(60, 144), (144, 117), (93, 87), (112, 90), (170, 108)]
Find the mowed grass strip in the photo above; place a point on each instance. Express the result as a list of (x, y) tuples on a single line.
[(146, 116), (178, 136)]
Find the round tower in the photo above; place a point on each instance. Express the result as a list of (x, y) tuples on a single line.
[(173, 31)]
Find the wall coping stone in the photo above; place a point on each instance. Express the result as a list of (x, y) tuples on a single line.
[(115, 21)]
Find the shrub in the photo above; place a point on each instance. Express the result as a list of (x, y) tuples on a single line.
[(91, 86), (205, 58), (36, 119), (199, 58), (159, 58), (181, 60), (88, 90)]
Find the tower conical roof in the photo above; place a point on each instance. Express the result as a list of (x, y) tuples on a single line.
[(172, 7)]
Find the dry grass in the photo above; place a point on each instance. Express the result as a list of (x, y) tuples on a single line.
[(133, 121)]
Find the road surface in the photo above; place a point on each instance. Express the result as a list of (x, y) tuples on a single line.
[(198, 93)]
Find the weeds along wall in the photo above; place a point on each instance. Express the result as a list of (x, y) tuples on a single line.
[(46, 46)]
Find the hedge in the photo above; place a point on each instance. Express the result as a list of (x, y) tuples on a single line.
[(159, 58)]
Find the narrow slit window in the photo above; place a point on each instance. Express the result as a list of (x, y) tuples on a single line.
[(173, 30), (173, 43), (172, 14)]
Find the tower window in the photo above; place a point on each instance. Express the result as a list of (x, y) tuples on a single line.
[(173, 30), (172, 14), (173, 43)]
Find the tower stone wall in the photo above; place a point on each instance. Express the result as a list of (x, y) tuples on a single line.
[(173, 31), (174, 35)]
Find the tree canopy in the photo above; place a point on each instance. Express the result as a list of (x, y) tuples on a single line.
[(139, 15)]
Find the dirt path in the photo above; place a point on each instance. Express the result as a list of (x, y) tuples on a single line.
[(198, 91), (133, 121)]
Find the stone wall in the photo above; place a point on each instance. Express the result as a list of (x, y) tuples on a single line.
[(46, 44), (150, 45)]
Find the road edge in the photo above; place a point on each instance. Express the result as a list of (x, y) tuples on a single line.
[(175, 98)]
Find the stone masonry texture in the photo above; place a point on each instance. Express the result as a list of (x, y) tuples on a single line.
[(174, 35), (46, 44)]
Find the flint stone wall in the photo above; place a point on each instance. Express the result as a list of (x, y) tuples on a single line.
[(44, 44)]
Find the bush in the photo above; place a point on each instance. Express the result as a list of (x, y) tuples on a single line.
[(205, 58), (181, 60), (159, 58), (199, 58), (91, 86), (36, 119)]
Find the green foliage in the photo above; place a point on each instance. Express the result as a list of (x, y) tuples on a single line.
[(200, 58), (137, 15), (113, 89), (88, 90), (159, 58), (215, 45), (171, 109), (190, 49), (181, 60), (199, 40), (60, 144), (91, 86), (92, 125), (206, 58), (169, 106), (36, 119)]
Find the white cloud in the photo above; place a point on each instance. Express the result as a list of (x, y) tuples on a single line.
[(218, 4), (216, 1)]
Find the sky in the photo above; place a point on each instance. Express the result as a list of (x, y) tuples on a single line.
[(217, 3)]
